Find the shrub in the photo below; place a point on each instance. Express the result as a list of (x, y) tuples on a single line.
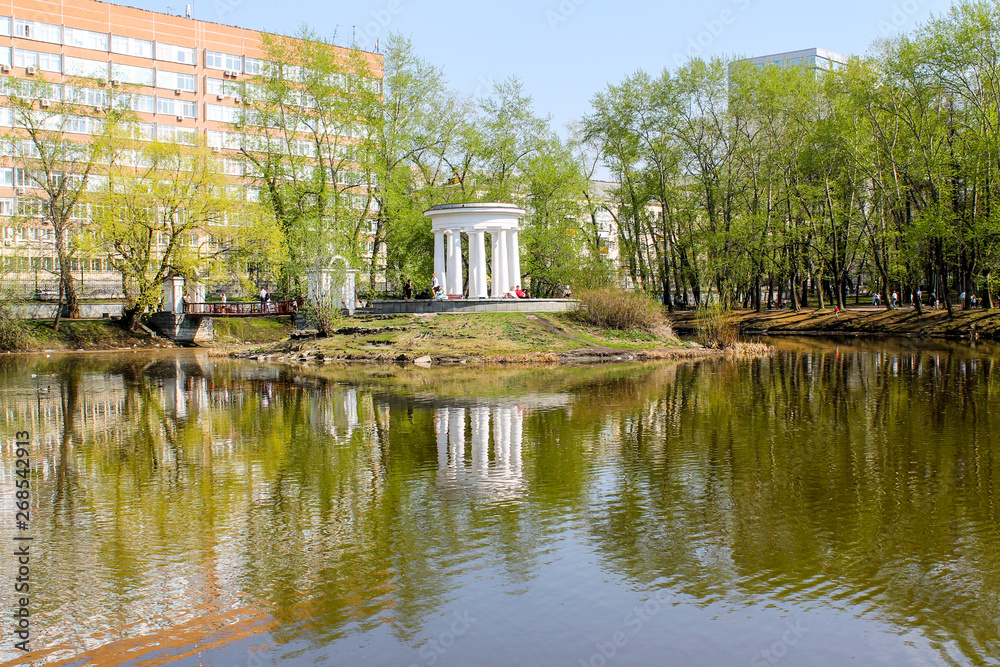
[(717, 327), (622, 310), (13, 332)]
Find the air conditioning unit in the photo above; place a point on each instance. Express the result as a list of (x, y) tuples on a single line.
[(30, 70), (44, 103), (115, 83), (235, 74), (180, 118), (227, 73), (177, 92), (220, 96), (238, 99), (19, 191), (5, 69)]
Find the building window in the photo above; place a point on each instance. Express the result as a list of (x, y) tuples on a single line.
[(50, 62), (139, 76), (130, 46), (176, 107), (223, 61), (253, 66), (142, 103), (4, 26), (181, 135), (24, 58), (221, 87), (42, 32), (220, 113), (94, 69), (7, 208), (85, 39), (5, 55), (174, 54), (89, 96), (233, 167), (7, 176), (175, 80)]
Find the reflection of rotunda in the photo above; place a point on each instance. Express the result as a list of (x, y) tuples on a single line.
[(474, 467)]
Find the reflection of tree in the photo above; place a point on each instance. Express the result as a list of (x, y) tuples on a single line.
[(184, 488)]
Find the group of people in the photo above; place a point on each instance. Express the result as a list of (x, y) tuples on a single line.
[(437, 292)]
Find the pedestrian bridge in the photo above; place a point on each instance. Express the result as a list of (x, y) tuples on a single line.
[(242, 309)]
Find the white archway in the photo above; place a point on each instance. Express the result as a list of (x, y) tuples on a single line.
[(501, 221)]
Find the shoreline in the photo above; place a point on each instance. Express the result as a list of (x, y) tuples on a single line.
[(858, 321), (517, 338)]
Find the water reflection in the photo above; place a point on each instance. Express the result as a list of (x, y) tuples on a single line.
[(197, 511), (499, 476)]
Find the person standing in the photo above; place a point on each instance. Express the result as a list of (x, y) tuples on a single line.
[(408, 289), (264, 296), (895, 300)]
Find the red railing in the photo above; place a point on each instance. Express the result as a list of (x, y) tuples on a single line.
[(242, 308)]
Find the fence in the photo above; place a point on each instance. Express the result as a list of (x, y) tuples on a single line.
[(242, 308), (45, 287)]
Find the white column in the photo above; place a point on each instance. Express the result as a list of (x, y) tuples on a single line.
[(499, 266), (455, 263), (513, 257), (473, 262), (439, 266), (477, 264)]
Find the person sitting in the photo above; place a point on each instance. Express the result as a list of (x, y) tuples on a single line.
[(518, 292), (438, 292), (567, 293), (509, 294)]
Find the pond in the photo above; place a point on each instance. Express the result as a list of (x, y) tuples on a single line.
[(835, 503)]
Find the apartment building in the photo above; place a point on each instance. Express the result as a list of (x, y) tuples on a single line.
[(179, 75)]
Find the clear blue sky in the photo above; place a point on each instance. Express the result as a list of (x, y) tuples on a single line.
[(567, 50)]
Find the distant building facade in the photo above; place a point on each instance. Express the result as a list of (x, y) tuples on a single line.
[(814, 58), (180, 76)]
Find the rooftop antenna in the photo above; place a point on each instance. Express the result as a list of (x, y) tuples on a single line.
[(354, 36), (335, 34)]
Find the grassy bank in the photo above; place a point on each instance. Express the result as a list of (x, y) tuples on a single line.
[(81, 335), (241, 331), (860, 321), (485, 337)]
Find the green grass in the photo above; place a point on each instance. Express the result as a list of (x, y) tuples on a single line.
[(252, 330)]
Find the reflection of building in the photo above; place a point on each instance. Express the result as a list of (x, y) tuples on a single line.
[(472, 468)]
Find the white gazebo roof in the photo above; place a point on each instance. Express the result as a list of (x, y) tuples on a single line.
[(480, 216)]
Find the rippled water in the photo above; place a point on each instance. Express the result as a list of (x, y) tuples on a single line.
[(835, 504)]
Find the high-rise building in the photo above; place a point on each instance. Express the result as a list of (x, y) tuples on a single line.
[(181, 76), (814, 58)]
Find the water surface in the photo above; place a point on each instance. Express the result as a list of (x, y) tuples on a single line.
[(837, 503)]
